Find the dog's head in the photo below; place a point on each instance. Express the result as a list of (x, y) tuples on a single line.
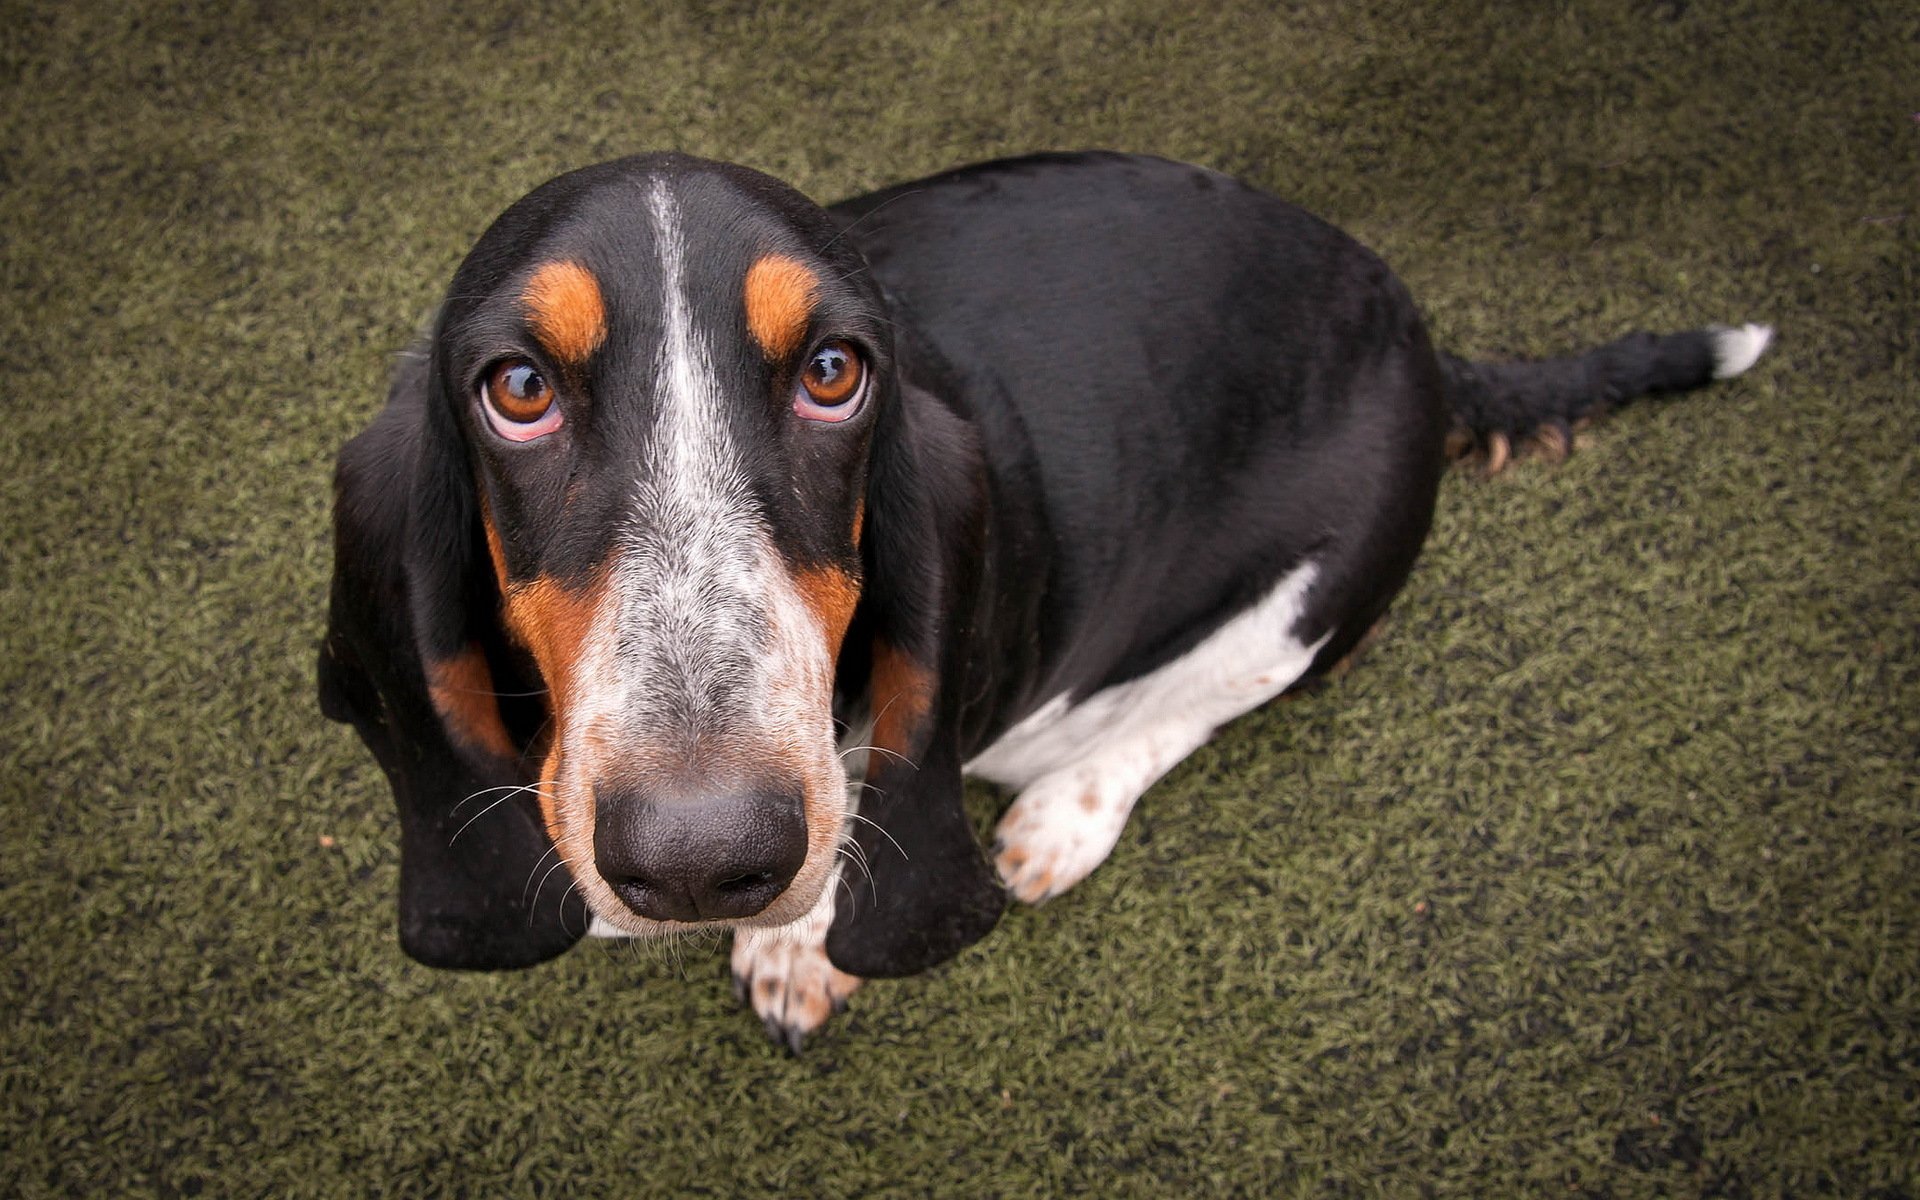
[(667, 380), (641, 464)]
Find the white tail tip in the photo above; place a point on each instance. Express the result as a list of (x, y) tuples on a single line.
[(1734, 350)]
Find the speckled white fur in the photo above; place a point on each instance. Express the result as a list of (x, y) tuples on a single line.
[(703, 637), (1082, 767)]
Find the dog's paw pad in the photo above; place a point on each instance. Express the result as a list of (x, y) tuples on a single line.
[(1052, 838), (790, 985)]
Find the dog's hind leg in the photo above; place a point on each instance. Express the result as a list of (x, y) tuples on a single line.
[(1080, 768), (1065, 824)]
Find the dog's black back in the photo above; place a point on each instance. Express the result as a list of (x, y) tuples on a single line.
[(1183, 386)]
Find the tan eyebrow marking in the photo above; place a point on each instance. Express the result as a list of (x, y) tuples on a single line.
[(779, 294), (566, 310)]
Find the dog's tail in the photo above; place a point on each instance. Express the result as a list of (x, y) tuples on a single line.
[(1500, 407)]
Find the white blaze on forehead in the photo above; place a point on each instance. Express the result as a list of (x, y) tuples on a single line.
[(693, 457)]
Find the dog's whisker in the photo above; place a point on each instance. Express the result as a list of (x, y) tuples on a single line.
[(546, 725), (881, 830), (475, 817), (473, 691), (893, 754), (854, 854), (536, 866), (572, 887), (534, 907), (505, 787), (511, 793), (849, 846), (865, 873), (864, 217)]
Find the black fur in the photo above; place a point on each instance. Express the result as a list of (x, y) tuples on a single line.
[(407, 588), (1521, 399)]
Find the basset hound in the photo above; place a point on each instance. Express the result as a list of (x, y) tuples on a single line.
[(697, 494)]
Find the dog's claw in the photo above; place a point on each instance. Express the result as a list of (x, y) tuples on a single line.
[(790, 1039)]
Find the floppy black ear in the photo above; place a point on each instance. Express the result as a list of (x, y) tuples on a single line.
[(928, 891), (414, 660)]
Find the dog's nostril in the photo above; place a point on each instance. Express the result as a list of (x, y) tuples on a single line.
[(712, 858)]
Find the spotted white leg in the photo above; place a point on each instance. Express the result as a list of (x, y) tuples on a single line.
[(1065, 824), (784, 974), (1080, 767)]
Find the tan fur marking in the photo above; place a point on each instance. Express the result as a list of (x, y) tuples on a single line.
[(548, 794), (565, 307), (831, 594), (901, 694), (1550, 442), (552, 622), (494, 551), (1360, 647), (462, 691), (779, 294)]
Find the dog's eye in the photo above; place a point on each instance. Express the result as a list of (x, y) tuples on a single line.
[(518, 401), (832, 385)]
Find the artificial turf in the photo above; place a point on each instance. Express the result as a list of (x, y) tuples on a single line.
[(1601, 877)]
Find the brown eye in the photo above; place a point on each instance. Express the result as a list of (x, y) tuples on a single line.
[(830, 386), (518, 401)]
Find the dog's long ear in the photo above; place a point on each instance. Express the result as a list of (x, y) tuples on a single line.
[(927, 892), (414, 659)]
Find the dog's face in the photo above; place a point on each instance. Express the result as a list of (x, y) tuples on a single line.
[(666, 374)]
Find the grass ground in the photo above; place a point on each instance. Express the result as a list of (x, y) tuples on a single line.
[(1600, 878)]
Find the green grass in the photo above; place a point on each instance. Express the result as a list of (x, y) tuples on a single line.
[(1600, 878)]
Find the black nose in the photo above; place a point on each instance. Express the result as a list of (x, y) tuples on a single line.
[(701, 858)]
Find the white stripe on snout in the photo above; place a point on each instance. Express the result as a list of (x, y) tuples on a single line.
[(694, 576), (705, 654)]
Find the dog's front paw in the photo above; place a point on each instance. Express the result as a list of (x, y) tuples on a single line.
[(787, 979), (1056, 833)]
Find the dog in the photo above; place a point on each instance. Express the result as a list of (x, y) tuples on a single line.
[(1039, 470)]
